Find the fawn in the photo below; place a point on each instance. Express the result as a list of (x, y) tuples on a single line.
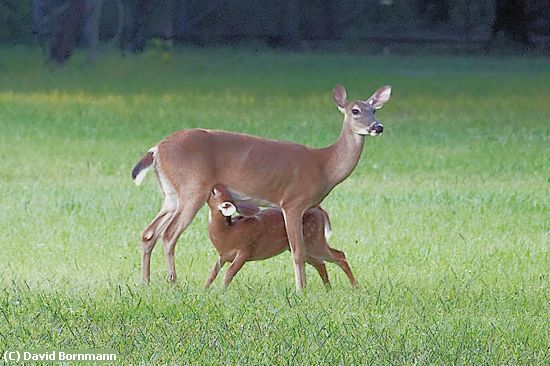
[(249, 238)]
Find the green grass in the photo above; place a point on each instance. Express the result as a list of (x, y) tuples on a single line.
[(445, 220)]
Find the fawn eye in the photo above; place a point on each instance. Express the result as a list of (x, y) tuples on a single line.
[(355, 111)]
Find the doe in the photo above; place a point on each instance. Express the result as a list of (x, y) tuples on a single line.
[(275, 173)]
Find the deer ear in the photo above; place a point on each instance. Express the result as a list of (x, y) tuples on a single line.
[(227, 208), (247, 209), (339, 95), (216, 190), (380, 97)]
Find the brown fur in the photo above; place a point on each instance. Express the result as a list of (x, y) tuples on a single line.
[(243, 239)]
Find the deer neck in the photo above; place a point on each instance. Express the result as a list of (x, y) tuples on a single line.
[(342, 157), (216, 221)]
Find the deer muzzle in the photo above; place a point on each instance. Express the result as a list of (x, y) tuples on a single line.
[(376, 129)]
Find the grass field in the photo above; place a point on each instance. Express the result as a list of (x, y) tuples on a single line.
[(445, 220)]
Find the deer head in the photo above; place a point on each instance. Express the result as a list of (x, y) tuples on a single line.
[(360, 114)]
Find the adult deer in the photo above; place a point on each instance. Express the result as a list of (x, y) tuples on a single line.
[(294, 177)]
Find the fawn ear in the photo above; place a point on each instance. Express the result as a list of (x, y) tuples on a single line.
[(380, 97), (247, 209), (216, 190), (339, 95), (227, 208)]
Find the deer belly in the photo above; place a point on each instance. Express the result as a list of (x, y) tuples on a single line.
[(258, 201), (273, 239), (265, 250)]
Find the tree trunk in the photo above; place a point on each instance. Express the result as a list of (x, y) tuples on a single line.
[(179, 18), (434, 11), (142, 17), (510, 19), (68, 30), (39, 23), (331, 26), (91, 27), (292, 31)]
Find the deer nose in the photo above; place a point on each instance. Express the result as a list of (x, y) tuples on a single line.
[(379, 129)]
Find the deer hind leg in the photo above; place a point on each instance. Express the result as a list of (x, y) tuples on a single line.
[(155, 229), (338, 257), (152, 232), (294, 229), (321, 269), (188, 208)]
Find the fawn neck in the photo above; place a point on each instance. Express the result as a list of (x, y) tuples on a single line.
[(343, 155), (217, 220)]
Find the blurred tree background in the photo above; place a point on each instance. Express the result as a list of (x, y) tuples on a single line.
[(62, 25)]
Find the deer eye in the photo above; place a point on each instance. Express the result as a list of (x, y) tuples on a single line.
[(356, 111)]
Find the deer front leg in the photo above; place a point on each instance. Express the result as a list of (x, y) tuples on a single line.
[(214, 272), (235, 267), (294, 229)]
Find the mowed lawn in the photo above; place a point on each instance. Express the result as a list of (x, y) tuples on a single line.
[(445, 220)]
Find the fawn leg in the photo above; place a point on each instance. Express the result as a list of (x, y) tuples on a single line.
[(235, 267), (214, 272), (322, 270), (339, 258)]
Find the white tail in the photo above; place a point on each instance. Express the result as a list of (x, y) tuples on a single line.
[(326, 224), (288, 175), (144, 165), (141, 175)]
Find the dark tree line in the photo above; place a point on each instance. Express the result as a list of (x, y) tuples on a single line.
[(62, 25), (511, 19)]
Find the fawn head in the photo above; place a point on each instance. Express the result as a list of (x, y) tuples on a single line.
[(220, 199), (360, 113)]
